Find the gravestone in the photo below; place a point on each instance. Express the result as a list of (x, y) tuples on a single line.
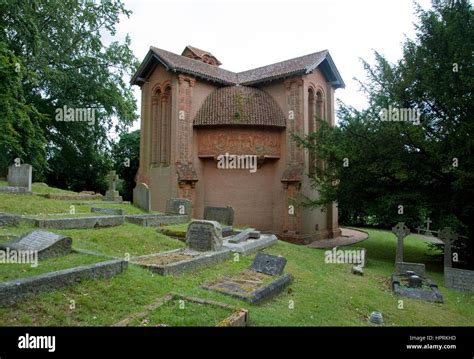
[(181, 206), (401, 231), (268, 264), (204, 236), (20, 176), (142, 196), (112, 194), (47, 244), (224, 215), (455, 278)]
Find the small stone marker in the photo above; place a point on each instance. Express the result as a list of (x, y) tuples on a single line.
[(142, 196), (47, 244), (181, 206), (204, 236), (20, 176), (401, 231), (112, 194), (358, 270), (224, 215), (376, 318), (268, 264)]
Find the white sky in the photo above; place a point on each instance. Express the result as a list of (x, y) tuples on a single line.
[(249, 34)]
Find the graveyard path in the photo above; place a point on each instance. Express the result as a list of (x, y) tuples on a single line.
[(348, 237)]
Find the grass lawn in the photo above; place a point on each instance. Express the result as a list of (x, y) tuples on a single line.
[(15, 271), (320, 295)]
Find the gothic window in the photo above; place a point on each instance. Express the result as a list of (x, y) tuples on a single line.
[(160, 129), (155, 128), (165, 150), (311, 127)]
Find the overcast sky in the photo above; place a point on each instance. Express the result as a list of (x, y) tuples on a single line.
[(249, 34)]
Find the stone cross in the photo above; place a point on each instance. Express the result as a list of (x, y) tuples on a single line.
[(401, 231), (428, 222), (448, 236), (112, 177)]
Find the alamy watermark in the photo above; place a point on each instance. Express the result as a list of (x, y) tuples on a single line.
[(75, 114), (396, 114), (11, 256), (228, 161), (339, 256)]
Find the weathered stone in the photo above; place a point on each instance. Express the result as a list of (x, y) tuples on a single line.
[(376, 318), (414, 281), (19, 190), (358, 270), (148, 220), (8, 219), (20, 176), (401, 231), (268, 264), (13, 291), (181, 206), (111, 211), (460, 279), (407, 286), (112, 194), (241, 236), (224, 215), (142, 197), (252, 245), (406, 268), (72, 197), (47, 244), (204, 236), (77, 222)]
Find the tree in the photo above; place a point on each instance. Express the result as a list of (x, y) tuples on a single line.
[(126, 154), (61, 47), (426, 168)]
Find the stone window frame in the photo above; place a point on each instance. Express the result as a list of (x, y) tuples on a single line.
[(160, 125)]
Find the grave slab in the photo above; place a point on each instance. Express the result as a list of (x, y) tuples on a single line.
[(262, 281), (423, 288), (111, 211), (47, 244)]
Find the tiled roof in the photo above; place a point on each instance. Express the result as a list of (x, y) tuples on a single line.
[(199, 52), (300, 65), (239, 105), (195, 67)]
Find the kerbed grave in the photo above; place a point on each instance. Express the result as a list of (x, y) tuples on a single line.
[(410, 280), (262, 281), (203, 248), (178, 310), (148, 220), (75, 222)]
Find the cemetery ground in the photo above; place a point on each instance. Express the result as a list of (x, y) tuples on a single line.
[(320, 295)]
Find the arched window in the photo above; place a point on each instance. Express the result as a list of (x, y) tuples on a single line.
[(320, 108), (155, 128), (311, 127), (165, 150)]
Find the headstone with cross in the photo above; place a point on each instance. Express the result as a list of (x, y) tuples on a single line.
[(448, 236), (112, 194), (401, 231), (427, 230)]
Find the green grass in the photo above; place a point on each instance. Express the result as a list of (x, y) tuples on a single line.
[(178, 312), (320, 295), (10, 271)]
